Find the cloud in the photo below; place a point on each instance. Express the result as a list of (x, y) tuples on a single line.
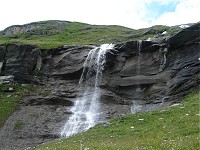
[(161, 2), (130, 13), (187, 11), (126, 13)]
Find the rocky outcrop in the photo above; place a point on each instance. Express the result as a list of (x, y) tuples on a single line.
[(40, 28), (154, 72), (151, 77), (185, 37), (2, 57), (144, 72), (21, 61), (66, 61), (138, 76)]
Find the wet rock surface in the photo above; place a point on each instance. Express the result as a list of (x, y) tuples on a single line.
[(138, 76)]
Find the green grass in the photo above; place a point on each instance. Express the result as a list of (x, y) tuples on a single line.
[(79, 33), (9, 100), (18, 125), (170, 128)]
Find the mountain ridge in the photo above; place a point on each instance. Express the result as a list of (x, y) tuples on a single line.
[(55, 33)]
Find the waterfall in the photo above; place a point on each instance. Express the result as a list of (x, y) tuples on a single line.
[(137, 107), (164, 58), (86, 110), (139, 47)]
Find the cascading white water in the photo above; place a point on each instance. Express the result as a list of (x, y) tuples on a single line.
[(86, 110), (139, 47), (136, 107)]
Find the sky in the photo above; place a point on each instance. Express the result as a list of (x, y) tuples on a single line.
[(133, 14)]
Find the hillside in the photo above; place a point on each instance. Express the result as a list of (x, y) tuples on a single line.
[(175, 127), (43, 86), (51, 34)]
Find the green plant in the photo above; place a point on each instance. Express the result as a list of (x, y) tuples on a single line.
[(45, 93), (18, 125)]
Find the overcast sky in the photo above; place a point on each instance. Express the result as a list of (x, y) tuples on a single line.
[(129, 13)]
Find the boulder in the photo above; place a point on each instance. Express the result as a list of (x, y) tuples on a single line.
[(6, 79)]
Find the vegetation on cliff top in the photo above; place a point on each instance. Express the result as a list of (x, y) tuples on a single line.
[(175, 127), (81, 33)]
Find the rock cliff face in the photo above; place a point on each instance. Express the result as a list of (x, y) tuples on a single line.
[(20, 61), (138, 76), (143, 72)]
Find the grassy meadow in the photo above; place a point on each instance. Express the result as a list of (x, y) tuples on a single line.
[(81, 33)]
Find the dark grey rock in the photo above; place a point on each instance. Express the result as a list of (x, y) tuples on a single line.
[(66, 62), (3, 53), (186, 36), (21, 61), (6, 79), (9, 89), (2, 58)]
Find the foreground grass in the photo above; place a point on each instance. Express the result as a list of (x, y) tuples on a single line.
[(9, 100), (174, 127)]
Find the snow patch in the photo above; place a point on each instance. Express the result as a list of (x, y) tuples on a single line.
[(165, 32), (184, 26), (177, 104)]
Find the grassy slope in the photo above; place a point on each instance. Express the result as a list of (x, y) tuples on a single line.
[(8, 101), (174, 127), (80, 33)]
